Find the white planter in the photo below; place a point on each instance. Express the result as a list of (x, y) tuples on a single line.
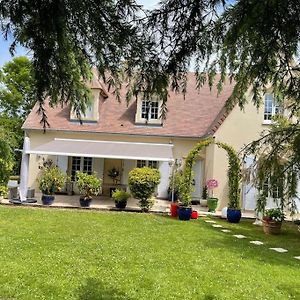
[(203, 202)]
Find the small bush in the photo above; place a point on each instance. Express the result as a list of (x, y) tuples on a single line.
[(142, 183), (120, 195), (3, 191)]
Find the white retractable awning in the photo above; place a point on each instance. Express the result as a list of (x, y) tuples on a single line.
[(105, 149)]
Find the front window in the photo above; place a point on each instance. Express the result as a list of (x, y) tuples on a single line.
[(271, 107), (76, 162), (140, 163), (84, 164), (277, 190), (152, 164), (147, 163), (87, 165)]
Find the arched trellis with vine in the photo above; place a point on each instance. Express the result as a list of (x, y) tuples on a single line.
[(234, 173)]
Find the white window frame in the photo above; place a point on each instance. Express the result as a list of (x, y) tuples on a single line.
[(270, 108)]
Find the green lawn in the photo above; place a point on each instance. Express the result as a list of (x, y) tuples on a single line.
[(72, 254)]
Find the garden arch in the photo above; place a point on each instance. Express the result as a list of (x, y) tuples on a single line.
[(234, 173)]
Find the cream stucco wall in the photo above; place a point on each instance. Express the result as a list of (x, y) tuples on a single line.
[(238, 129)]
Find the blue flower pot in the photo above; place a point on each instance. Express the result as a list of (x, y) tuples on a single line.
[(85, 202), (47, 199), (233, 215), (184, 213)]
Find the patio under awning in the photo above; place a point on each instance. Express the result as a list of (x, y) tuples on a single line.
[(105, 149)]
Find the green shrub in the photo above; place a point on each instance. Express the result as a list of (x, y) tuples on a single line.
[(51, 180), (88, 184), (3, 190), (120, 195), (142, 183), (178, 180)]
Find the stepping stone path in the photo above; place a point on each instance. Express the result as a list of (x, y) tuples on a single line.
[(280, 250), (256, 242), (239, 236)]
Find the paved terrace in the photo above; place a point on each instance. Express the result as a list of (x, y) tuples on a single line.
[(106, 203)]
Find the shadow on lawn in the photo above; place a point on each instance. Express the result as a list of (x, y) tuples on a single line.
[(94, 289)]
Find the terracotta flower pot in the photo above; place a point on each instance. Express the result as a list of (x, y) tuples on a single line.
[(271, 227)]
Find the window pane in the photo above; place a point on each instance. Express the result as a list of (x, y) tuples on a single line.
[(152, 164), (87, 165), (145, 109), (268, 107), (75, 166), (271, 107), (154, 110), (140, 163)]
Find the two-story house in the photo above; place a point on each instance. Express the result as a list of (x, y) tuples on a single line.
[(114, 135)]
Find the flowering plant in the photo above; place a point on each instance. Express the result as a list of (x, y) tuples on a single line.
[(51, 180), (274, 214), (211, 184)]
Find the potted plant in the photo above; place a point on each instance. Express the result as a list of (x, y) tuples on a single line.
[(142, 183), (51, 180), (175, 187), (120, 198), (212, 202), (88, 185), (114, 174), (3, 192), (185, 208), (272, 220), (203, 201)]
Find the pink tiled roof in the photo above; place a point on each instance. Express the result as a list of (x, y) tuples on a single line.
[(193, 116)]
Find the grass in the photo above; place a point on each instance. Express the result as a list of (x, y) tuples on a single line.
[(63, 254)]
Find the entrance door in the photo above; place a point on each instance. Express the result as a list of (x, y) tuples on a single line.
[(110, 183), (197, 182)]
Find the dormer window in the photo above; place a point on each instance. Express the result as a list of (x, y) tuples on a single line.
[(148, 112), (91, 112)]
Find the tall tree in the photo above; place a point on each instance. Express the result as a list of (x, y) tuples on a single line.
[(254, 41), (17, 87)]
